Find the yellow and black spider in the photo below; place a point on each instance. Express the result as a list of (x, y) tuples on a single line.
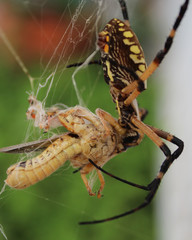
[(92, 139), (126, 72)]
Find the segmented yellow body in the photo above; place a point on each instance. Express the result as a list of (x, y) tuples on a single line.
[(24, 174)]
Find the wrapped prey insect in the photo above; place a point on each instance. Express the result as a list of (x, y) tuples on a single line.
[(96, 137)]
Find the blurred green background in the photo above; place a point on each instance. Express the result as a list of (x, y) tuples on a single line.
[(52, 208)]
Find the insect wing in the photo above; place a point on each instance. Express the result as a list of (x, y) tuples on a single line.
[(38, 145)]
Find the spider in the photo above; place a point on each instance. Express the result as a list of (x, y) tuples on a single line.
[(96, 138), (102, 135), (126, 72)]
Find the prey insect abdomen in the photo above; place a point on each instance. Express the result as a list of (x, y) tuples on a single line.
[(25, 174)]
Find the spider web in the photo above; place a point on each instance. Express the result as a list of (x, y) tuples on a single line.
[(73, 38)]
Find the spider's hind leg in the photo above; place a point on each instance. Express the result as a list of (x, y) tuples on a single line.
[(168, 161), (153, 186), (155, 135)]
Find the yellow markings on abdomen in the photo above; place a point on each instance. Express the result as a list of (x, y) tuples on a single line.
[(121, 24), (121, 29), (136, 58), (128, 41), (128, 37), (128, 34), (135, 49), (142, 67), (25, 174), (118, 108), (109, 73)]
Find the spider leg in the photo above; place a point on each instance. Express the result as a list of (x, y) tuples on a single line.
[(154, 134), (144, 204), (142, 113), (124, 10), (80, 63), (133, 90), (171, 138), (162, 134), (118, 178), (106, 119)]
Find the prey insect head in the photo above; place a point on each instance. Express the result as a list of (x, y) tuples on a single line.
[(43, 118)]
